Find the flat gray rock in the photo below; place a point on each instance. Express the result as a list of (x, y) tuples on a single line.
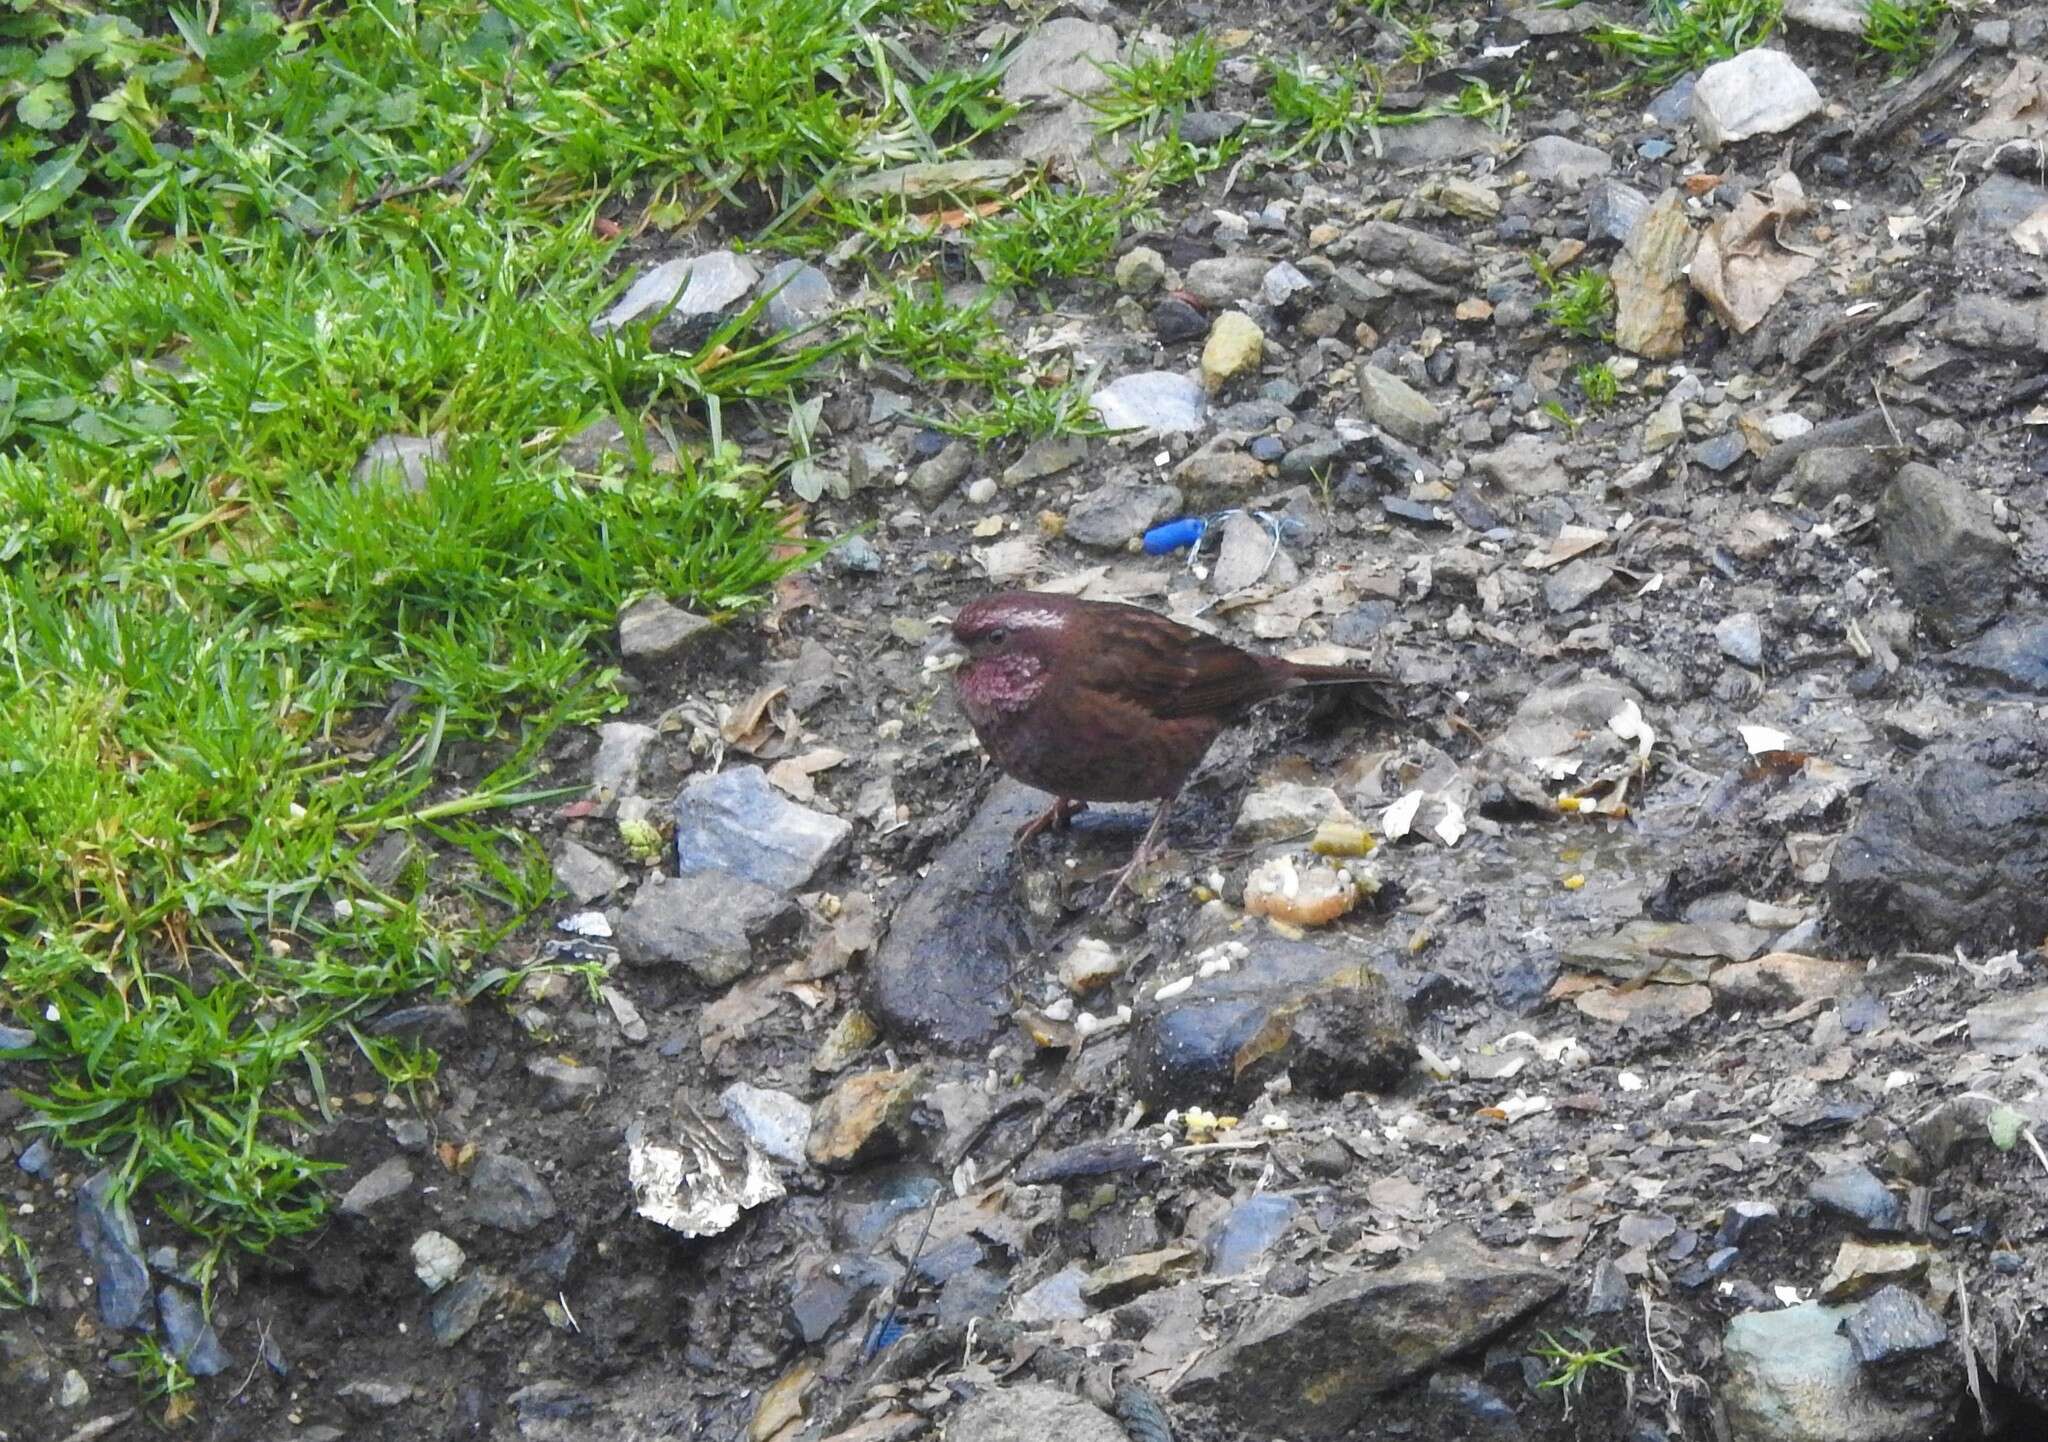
[(738, 824), (1110, 516), (1793, 1377), (799, 295), (1563, 161), (391, 1178), (1394, 405), (1226, 280), (690, 293), (1060, 58), (615, 771), (507, 1193), (1759, 92), (1948, 558), (2014, 1025), (775, 1122), (1314, 1365), (1162, 401), (1032, 1412), (714, 925), (1442, 141), (402, 460), (651, 630), (1837, 17)]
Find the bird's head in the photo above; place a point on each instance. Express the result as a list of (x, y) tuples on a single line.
[(1000, 646)]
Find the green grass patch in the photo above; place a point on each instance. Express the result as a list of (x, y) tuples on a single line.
[(19, 1284), (1336, 107), (264, 728), (260, 723), (232, 669), (1032, 408), (152, 118), (1157, 87), (1049, 234), (1686, 37), (1904, 34), (1580, 304), (920, 328), (1571, 1365), (1598, 384)]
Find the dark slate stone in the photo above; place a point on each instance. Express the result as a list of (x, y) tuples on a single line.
[(976, 1292), (456, 1311), (1740, 1219), (1721, 452), (2011, 658), (1893, 1324), (1608, 1293), (1332, 1022), (107, 1232), (1954, 851), (1415, 513), (188, 1336), (1322, 1360), (1855, 1195), (508, 1193), (943, 972), (1174, 321), (1207, 127)]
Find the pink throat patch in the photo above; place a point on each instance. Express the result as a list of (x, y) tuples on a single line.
[(1002, 683)]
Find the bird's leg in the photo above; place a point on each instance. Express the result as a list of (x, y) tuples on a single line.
[(1149, 849), (1054, 817)]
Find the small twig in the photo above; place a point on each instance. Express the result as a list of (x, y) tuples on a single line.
[(1245, 1144), (255, 1366), (448, 179), (1886, 411), (1970, 1355), (2035, 1142), (562, 67)]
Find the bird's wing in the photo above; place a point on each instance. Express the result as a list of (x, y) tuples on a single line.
[(1171, 670)]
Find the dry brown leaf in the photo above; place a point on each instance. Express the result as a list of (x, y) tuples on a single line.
[(757, 722), (733, 1015), (1743, 266), (792, 775), (854, 932), (1015, 559), (1570, 541), (2018, 105)]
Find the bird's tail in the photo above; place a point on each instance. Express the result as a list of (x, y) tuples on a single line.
[(1372, 685), (1337, 675)]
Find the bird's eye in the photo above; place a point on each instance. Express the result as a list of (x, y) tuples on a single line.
[(998, 636)]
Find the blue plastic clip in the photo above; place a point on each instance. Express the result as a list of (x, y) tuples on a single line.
[(1170, 536), (885, 1333)]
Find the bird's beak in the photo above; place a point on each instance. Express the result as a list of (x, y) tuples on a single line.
[(945, 656)]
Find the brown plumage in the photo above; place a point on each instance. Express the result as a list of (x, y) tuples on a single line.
[(1097, 701)]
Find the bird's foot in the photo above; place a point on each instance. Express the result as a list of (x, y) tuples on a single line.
[(1150, 849), (1143, 857), (1055, 817)]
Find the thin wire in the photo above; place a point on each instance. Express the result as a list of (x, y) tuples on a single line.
[(1276, 525)]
